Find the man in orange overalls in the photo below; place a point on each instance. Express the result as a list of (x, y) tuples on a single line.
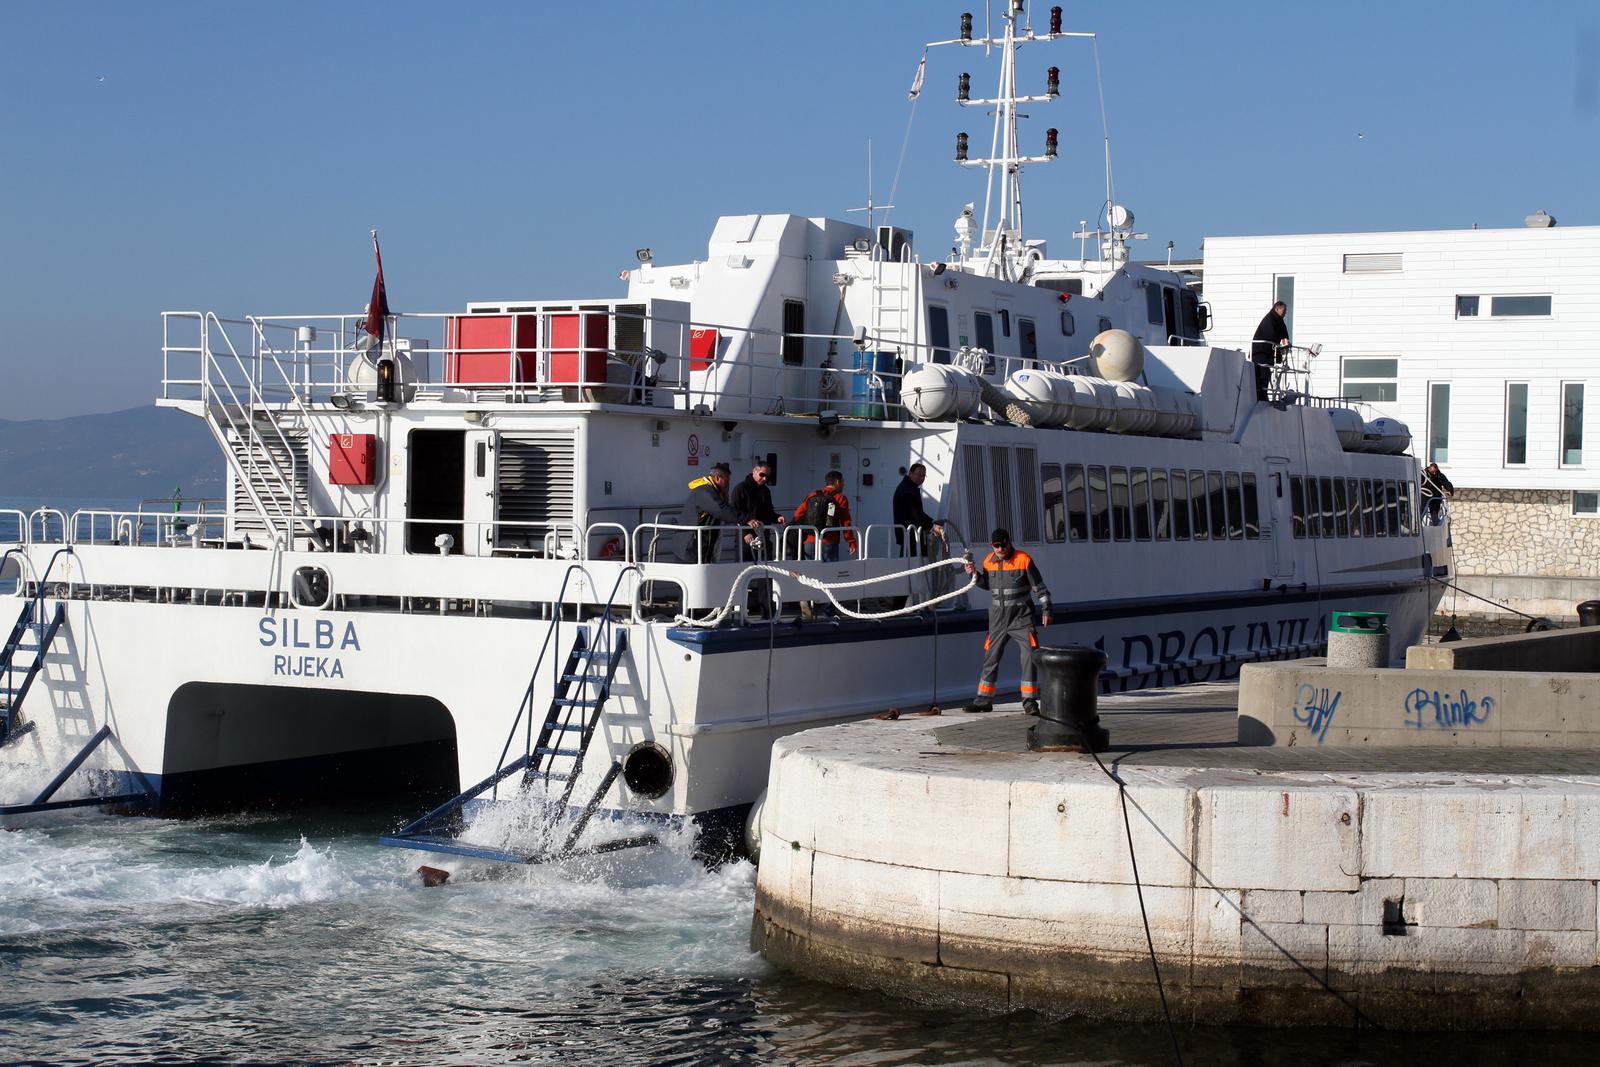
[(1013, 580)]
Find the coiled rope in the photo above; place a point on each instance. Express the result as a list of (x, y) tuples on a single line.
[(717, 617)]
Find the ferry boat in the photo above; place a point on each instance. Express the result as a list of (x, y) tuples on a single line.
[(454, 546)]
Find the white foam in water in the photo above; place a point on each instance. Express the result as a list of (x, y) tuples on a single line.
[(310, 875)]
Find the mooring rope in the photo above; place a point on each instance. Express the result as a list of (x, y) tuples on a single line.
[(716, 618)]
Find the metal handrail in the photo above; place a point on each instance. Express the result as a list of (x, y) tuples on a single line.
[(527, 697)]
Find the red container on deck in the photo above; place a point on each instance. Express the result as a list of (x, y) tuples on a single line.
[(578, 342), (353, 459), (703, 349), (492, 349)]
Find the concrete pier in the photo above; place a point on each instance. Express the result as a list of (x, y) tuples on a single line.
[(1416, 886)]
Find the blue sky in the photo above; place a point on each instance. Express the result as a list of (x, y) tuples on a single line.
[(232, 157)]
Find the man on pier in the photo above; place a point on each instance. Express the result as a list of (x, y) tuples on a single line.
[(1013, 580)]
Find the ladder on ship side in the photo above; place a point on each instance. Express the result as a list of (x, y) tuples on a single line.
[(892, 305), (44, 625), (552, 761)]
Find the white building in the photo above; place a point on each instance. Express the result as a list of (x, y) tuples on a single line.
[(1487, 344)]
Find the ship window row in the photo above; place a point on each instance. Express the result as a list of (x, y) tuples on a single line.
[(1088, 502), (1328, 507)]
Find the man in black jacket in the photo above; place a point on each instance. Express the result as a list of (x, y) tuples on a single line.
[(1266, 348), (909, 512)]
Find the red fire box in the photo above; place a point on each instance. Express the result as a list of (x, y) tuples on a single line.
[(578, 343), (492, 349), (353, 459), (703, 348)]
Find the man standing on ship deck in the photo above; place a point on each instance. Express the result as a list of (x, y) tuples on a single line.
[(1267, 347), (1012, 579), (708, 506)]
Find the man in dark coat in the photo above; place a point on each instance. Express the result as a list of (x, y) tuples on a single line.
[(1435, 487), (1266, 348), (909, 512)]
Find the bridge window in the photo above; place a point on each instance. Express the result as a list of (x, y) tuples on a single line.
[(1369, 512), (1219, 513), (1341, 505), (1392, 507), (1180, 506), (1055, 506), (1252, 508), (1297, 504), (1028, 494), (1329, 528), (1197, 504), (1077, 504), (1119, 504), (794, 325), (1235, 506), (1162, 513), (1353, 519), (939, 332), (1140, 493), (1099, 505)]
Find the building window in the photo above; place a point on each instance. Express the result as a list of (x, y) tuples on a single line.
[(1504, 307), (1439, 422), (1283, 289), (1516, 424), (1372, 263), (1586, 503), (1371, 378), (794, 325), (1501, 307), (1571, 423)]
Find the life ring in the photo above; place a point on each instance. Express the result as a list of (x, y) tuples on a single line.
[(612, 549)]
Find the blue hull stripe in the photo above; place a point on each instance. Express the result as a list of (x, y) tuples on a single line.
[(852, 631)]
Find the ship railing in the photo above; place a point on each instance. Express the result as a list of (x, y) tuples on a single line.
[(13, 526), (573, 351)]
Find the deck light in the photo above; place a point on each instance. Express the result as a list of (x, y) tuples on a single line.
[(1053, 81), (961, 148), (966, 25), (1055, 19), (964, 87), (643, 255), (1050, 143)]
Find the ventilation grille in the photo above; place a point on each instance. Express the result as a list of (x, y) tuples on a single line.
[(1000, 468), (1028, 494), (1372, 263), (974, 492), (628, 328), (535, 473)]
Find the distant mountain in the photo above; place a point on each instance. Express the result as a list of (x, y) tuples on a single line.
[(126, 455)]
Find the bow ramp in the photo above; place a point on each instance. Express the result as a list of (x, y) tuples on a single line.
[(525, 812)]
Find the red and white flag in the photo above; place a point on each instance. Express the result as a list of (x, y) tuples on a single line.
[(916, 83), (378, 306)]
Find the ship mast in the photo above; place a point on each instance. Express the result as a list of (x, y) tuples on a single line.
[(1002, 252)]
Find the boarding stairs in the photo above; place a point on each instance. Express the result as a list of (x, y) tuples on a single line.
[(41, 625), (552, 760), (44, 624)]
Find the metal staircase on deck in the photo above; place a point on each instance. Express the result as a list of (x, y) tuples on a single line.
[(552, 761)]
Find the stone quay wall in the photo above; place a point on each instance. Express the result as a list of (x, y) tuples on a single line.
[(1002, 880)]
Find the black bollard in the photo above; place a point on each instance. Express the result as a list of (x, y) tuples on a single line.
[(1068, 719), (1589, 613)]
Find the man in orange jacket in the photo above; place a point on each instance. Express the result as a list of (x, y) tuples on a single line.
[(827, 509), (1013, 580)]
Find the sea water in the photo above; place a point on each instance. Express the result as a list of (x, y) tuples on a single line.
[(294, 936)]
